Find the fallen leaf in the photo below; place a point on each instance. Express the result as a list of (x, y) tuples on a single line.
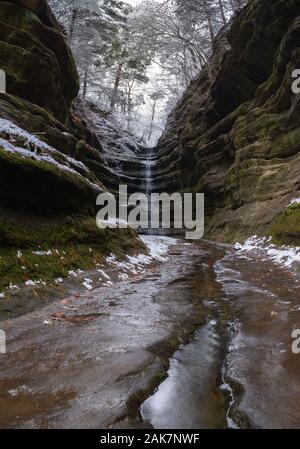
[(59, 315)]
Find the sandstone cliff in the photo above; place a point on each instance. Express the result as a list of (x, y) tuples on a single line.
[(67, 160), (233, 136), (237, 137), (53, 152)]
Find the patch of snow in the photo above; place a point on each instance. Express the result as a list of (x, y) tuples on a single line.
[(111, 259), (108, 284), (158, 246), (117, 145), (2, 295), (21, 389), (294, 201), (88, 286), (140, 259), (47, 323), (31, 283), (40, 151), (113, 223), (59, 281), (89, 281), (238, 246), (286, 256), (102, 272), (10, 128), (42, 253)]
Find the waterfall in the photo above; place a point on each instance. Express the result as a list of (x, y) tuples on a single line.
[(147, 186), (148, 181)]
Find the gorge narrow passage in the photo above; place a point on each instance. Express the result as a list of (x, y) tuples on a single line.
[(109, 318), (205, 328)]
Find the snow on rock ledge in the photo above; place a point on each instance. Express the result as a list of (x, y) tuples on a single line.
[(285, 256), (158, 247), (18, 141)]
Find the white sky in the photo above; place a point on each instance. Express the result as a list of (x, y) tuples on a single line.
[(133, 2)]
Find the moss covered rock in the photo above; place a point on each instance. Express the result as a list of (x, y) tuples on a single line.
[(285, 227), (52, 163), (36, 58), (237, 139)]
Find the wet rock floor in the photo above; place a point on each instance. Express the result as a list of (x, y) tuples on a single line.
[(202, 340)]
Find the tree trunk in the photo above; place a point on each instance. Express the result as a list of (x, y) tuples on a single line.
[(85, 83), (222, 12), (73, 19), (209, 21), (152, 120), (129, 108), (116, 87)]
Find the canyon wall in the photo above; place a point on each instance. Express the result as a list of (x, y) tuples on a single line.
[(235, 134), (57, 151), (84, 151)]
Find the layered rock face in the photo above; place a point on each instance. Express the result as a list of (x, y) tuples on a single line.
[(34, 55), (42, 82), (56, 152), (235, 135)]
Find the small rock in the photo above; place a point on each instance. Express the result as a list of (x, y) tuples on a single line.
[(48, 323), (274, 314), (238, 246)]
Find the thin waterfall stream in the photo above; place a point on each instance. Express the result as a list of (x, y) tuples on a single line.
[(147, 188), (149, 163)]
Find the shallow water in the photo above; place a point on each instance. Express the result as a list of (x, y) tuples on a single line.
[(258, 368), (202, 340), (189, 397)]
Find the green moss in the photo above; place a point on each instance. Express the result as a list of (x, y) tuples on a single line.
[(39, 186), (27, 164), (75, 243), (285, 228)]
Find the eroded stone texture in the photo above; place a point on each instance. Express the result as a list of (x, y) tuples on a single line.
[(35, 57), (237, 138), (42, 89), (60, 183)]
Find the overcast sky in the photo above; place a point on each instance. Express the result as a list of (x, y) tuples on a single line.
[(133, 2)]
